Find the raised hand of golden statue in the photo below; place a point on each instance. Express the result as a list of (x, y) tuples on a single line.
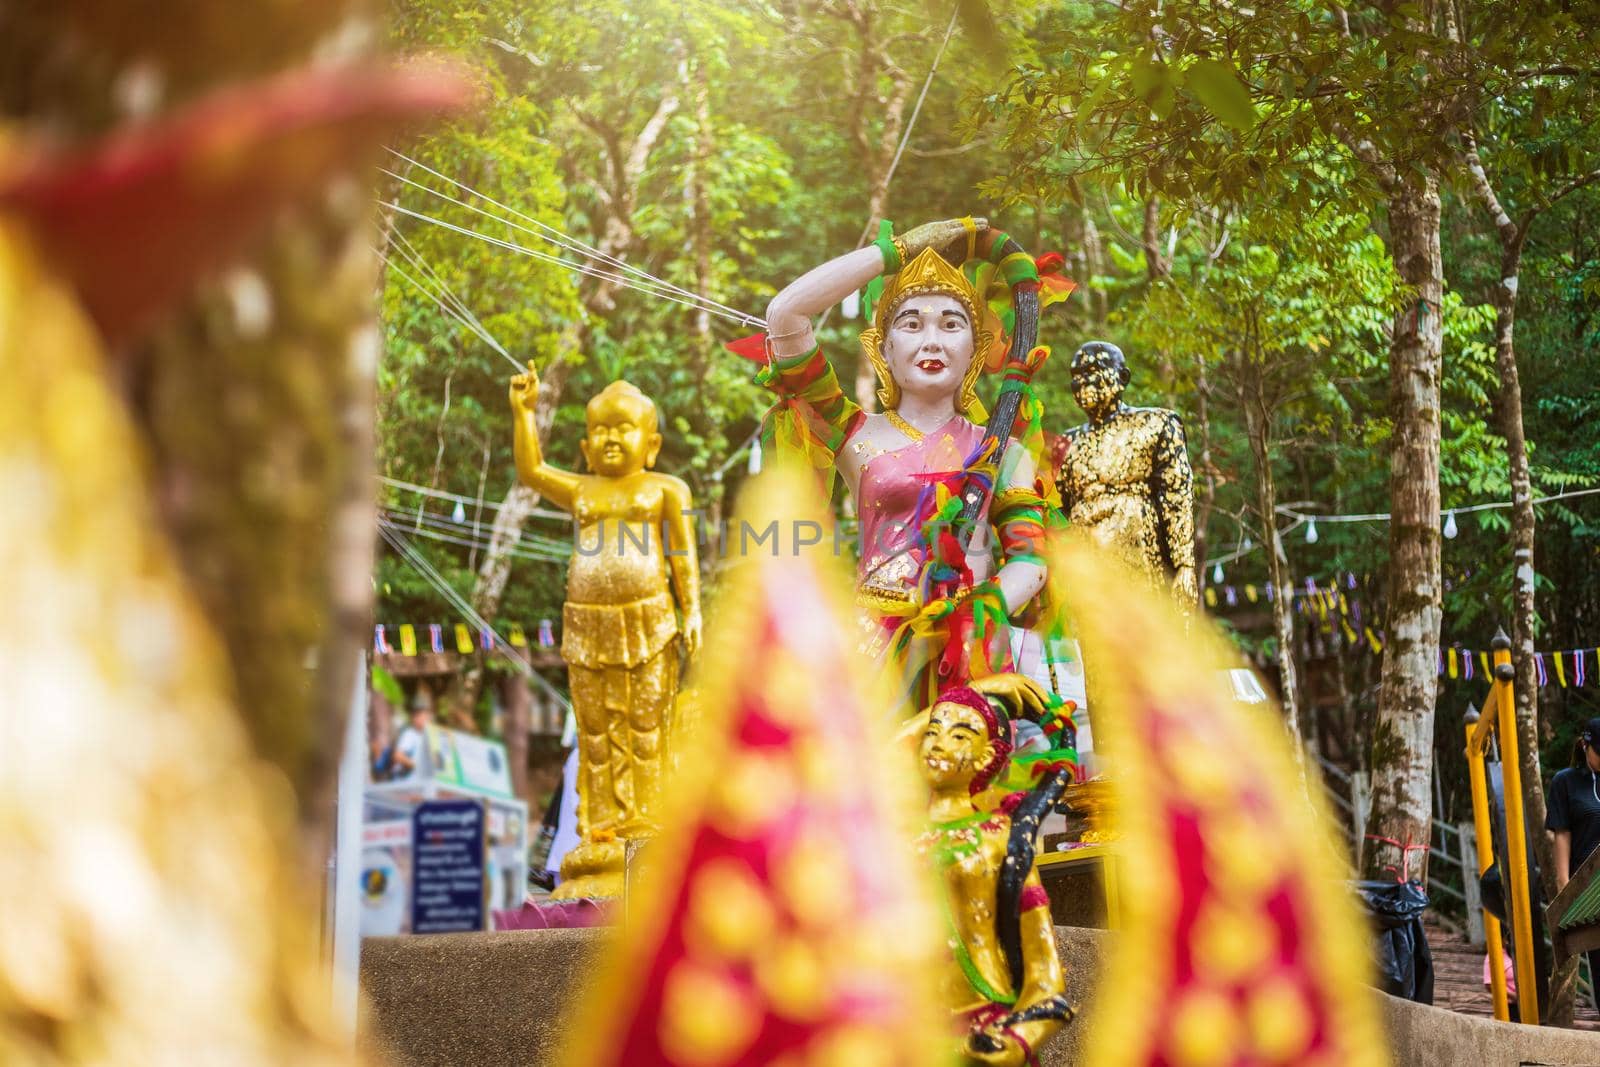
[(525, 390), (633, 598)]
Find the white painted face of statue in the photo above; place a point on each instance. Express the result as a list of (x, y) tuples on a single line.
[(929, 347)]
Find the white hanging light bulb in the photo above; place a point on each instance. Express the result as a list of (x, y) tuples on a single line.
[(754, 467), (459, 514), (1450, 529), (1216, 574), (1246, 544), (1311, 531)]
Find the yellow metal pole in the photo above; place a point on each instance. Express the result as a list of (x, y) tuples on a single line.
[(1485, 845), (1516, 834)]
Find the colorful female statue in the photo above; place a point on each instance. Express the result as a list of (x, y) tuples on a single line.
[(911, 468), (1005, 982)]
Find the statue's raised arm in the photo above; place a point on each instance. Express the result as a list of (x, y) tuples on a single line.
[(790, 312)]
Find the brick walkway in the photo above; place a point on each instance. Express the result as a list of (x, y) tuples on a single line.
[(1458, 979)]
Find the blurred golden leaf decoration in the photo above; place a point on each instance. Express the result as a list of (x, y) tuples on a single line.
[(146, 913), (1239, 945), (782, 918)]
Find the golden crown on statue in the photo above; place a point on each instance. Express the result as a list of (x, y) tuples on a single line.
[(928, 272)]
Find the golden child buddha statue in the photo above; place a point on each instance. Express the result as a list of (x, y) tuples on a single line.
[(633, 572), (1005, 982), (1125, 478)]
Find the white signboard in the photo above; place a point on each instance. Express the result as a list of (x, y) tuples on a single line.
[(476, 763)]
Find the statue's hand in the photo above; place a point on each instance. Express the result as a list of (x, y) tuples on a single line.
[(525, 390), (946, 235), (981, 1049), (692, 626), (912, 729), (1024, 696)]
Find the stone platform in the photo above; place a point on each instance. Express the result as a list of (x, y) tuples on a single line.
[(485, 1000)]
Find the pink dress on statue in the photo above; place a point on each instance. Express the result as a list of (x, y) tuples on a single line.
[(892, 483)]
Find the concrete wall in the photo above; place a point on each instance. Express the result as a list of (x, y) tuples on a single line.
[(476, 1000)]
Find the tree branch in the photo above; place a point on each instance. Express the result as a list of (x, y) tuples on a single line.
[(1485, 190), (1564, 70), (639, 153), (1571, 187)]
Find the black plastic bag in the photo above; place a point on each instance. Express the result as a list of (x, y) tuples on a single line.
[(1405, 964)]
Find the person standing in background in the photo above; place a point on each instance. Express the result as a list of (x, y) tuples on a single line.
[(412, 742), (1574, 812)]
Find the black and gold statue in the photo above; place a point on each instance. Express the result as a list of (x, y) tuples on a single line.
[(1125, 477)]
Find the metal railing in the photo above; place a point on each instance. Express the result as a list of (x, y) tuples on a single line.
[(1500, 724)]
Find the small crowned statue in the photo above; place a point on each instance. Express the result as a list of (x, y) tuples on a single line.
[(1125, 477), (1005, 982), (622, 627)]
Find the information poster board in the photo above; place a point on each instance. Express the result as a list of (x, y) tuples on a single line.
[(475, 763), (447, 894), (385, 877)]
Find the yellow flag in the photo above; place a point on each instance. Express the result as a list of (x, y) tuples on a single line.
[(408, 639), (463, 639)]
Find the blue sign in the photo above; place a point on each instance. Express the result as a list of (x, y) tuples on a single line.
[(447, 891)]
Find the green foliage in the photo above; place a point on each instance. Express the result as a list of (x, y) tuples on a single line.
[(1269, 277)]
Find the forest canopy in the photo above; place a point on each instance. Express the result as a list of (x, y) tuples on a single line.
[(1223, 183)]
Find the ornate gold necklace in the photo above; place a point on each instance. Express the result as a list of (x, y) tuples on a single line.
[(902, 425)]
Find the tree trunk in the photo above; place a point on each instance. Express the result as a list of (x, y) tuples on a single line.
[(877, 201), (1402, 742), (705, 347), (1094, 256), (1206, 468), (1258, 428), (268, 499), (700, 217), (876, 154), (517, 697), (1157, 269), (196, 551), (1524, 609)]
